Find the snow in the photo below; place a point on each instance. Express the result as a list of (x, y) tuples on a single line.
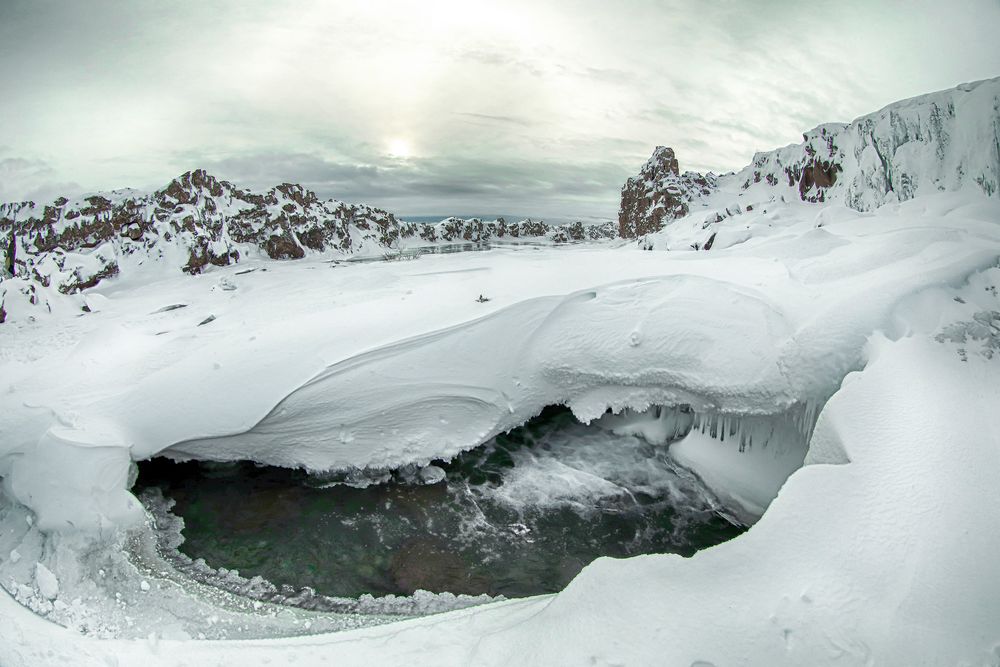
[(399, 363), (47, 583), (830, 370)]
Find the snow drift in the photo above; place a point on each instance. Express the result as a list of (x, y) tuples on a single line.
[(867, 313)]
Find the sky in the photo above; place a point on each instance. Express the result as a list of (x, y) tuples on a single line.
[(454, 106)]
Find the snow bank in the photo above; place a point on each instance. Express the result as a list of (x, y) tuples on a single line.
[(886, 560), (350, 369), (888, 316)]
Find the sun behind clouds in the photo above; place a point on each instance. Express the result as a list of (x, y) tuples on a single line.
[(399, 148)]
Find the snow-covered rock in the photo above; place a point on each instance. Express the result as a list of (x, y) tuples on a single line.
[(943, 141), (197, 222), (659, 194), (948, 140), (475, 230), (193, 222)]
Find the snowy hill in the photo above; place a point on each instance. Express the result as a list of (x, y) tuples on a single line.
[(193, 222), (198, 221), (943, 141)]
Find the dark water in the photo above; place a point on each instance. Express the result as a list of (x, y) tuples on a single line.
[(519, 516)]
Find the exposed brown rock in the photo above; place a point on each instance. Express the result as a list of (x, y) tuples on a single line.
[(10, 265), (819, 173), (283, 247), (658, 195)]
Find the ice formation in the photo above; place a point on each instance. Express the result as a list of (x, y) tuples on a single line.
[(866, 310)]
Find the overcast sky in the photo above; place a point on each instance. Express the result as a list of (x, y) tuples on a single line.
[(540, 108)]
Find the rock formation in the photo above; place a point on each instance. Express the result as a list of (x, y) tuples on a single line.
[(659, 194), (198, 221), (948, 140)]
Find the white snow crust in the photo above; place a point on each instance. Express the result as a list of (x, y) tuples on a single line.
[(861, 345), (350, 367)]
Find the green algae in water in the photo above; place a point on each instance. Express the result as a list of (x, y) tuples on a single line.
[(521, 515)]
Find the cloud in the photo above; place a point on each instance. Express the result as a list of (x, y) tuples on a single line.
[(25, 179), (440, 185), (512, 105), (491, 118)]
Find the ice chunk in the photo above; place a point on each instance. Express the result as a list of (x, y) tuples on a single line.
[(47, 583), (431, 474)]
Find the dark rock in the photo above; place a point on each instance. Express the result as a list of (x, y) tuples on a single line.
[(283, 247), (819, 173), (80, 282), (10, 265), (659, 194), (167, 309)]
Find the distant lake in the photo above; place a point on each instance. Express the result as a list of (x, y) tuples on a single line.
[(487, 216)]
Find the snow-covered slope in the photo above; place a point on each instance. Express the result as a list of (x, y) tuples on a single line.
[(197, 222), (836, 367), (389, 363), (949, 140), (943, 141)]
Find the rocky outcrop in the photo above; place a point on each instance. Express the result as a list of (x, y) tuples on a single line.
[(198, 221), (948, 140), (659, 194)]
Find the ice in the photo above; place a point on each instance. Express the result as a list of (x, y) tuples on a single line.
[(850, 314), (743, 459), (431, 474), (751, 340), (47, 583)]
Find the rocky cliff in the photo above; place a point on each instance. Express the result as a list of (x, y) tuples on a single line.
[(948, 140), (659, 194)]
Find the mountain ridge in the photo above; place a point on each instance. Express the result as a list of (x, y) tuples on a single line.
[(940, 141)]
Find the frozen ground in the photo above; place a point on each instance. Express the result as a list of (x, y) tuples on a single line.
[(881, 550)]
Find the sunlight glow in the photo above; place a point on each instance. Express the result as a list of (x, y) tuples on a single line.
[(399, 148)]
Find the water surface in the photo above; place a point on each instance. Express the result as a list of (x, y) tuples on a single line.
[(518, 516)]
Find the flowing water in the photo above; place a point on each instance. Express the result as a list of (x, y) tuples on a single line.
[(521, 515)]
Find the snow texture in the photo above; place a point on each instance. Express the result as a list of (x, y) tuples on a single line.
[(852, 334)]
